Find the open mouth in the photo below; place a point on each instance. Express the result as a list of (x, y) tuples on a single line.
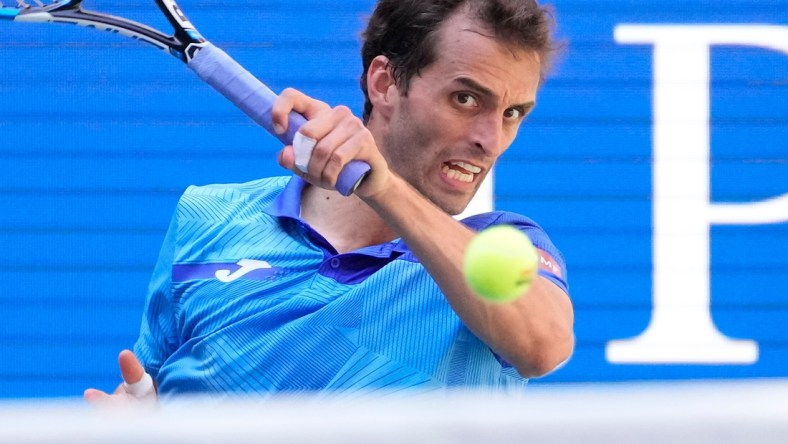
[(460, 171)]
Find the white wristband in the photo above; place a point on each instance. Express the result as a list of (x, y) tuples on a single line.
[(303, 146), (141, 388)]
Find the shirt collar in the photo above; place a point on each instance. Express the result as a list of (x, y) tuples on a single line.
[(288, 202)]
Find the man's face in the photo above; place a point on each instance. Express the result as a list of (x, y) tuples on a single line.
[(461, 113)]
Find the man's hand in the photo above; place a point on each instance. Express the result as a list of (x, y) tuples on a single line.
[(133, 390), (338, 136)]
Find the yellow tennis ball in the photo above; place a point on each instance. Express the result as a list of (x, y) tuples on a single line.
[(500, 263)]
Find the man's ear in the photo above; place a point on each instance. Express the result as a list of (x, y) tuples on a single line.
[(381, 87)]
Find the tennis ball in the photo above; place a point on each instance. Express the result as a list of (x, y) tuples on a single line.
[(500, 263)]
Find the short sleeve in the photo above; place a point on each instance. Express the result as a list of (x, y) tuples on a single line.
[(551, 261), (158, 333)]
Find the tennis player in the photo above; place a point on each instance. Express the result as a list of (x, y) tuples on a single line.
[(283, 285)]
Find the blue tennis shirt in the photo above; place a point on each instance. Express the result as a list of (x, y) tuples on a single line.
[(246, 298)]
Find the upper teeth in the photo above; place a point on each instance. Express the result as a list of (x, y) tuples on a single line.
[(461, 175), (466, 166)]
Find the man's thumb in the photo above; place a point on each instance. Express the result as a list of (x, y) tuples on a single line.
[(130, 368)]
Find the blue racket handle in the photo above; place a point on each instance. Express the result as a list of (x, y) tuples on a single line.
[(255, 99)]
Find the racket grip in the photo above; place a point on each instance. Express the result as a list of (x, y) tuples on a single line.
[(256, 100)]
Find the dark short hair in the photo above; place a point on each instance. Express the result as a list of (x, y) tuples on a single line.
[(405, 32)]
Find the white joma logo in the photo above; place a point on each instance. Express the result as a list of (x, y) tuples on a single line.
[(246, 266), (549, 264)]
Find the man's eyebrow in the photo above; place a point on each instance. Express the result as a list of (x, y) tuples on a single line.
[(476, 86), (485, 91)]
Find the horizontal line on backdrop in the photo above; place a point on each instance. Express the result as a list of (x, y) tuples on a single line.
[(141, 119), (500, 197), (772, 231), (674, 9), (50, 303), (54, 376), (91, 191), (622, 269), (762, 343), (732, 6), (745, 306), (79, 338), (59, 230), (35, 268), (515, 156), (580, 43), (300, 44), (219, 153), (232, 116), (158, 83), (225, 122), (646, 268), (305, 42), (265, 5), (81, 230), (151, 81)]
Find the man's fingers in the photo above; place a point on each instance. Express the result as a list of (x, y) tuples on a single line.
[(286, 157), (130, 368), (325, 135), (94, 396), (294, 100), (341, 155), (137, 384)]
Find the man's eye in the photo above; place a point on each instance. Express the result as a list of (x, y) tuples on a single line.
[(465, 99), (513, 114)]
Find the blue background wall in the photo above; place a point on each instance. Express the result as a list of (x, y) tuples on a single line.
[(100, 134)]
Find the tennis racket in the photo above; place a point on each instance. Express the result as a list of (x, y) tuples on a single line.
[(210, 63)]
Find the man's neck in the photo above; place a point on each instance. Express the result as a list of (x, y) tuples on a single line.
[(347, 223)]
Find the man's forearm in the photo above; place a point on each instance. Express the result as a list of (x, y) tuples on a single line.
[(533, 333)]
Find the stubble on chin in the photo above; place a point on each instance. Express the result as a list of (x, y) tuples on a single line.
[(402, 137)]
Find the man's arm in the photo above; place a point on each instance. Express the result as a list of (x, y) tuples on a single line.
[(534, 333)]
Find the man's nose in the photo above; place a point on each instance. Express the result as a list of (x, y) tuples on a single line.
[(488, 134)]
